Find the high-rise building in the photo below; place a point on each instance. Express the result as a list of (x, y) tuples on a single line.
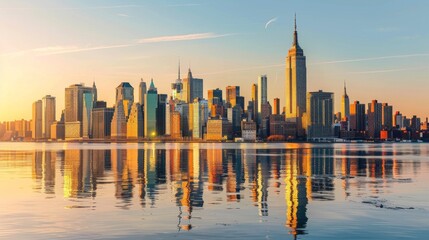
[(101, 121), (48, 115), (255, 102), (142, 92), (276, 107), (374, 119), (345, 104), (88, 104), (320, 114), (36, 123), (199, 116), (398, 120), (175, 125), (386, 116), (73, 112), (262, 93), (135, 122), (192, 88), (150, 106), (296, 83), (214, 96), (232, 92), (183, 109), (177, 87), (169, 107), (125, 92), (357, 117), (119, 120), (160, 114)]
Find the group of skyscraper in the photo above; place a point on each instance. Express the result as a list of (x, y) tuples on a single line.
[(187, 115)]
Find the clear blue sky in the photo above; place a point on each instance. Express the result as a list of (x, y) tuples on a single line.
[(381, 48)]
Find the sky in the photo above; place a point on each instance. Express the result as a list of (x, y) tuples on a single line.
[(379, 48)]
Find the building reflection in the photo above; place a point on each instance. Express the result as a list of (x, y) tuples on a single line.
[(296, 171), (191, 177)]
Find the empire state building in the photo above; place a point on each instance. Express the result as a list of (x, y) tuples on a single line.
[(296, 81)]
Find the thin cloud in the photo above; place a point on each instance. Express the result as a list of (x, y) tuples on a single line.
[(55, 50), (372, 59), (184, 5), (184, 37), (270, 21), (389, 70), (70, 8)]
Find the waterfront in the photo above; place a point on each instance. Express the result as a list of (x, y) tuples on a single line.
[(202, 190)]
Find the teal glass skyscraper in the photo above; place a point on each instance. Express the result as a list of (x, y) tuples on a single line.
[(150, 106)]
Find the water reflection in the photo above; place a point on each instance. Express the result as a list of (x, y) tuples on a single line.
[(196, 178)]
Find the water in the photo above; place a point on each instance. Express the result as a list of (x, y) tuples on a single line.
[(212, 191)]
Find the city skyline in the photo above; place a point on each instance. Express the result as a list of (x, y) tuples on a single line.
[(380, 66)]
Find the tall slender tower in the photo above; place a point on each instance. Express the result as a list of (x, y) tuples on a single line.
[(262, 94), (296, 80), (345, 104)]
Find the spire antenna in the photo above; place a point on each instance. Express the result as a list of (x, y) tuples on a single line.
[(178, 76), (295, 22)]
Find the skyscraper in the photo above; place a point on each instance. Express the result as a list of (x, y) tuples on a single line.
[(345, 104), (214, 97), (192, 88), (36, 123), (232, 92), (255, 102), (357, 117), (119, 120), (101, 121), (135, 122), (150, 106), (276, 107), (142, 91), (88, 102), (398, 120), (73, 112), (320, 114), (160, 114), (262, 93), (374, 119), (296, 80), (125, 92), (48, 115), (386, 116), (177, 87)]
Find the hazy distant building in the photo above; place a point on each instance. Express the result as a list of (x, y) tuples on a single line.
[(320, 114), (57, 131), (345, 104), (150, 106), (374, 119), (357, 117), (296, 82), (36, 123), (415, 123), (48, 115)]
